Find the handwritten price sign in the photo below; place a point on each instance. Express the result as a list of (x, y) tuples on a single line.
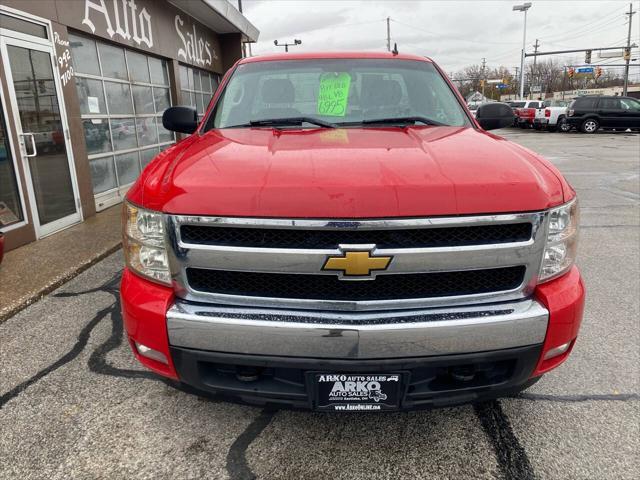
[(334, 94)]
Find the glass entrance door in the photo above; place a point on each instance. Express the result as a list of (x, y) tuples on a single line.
[(41, 126)]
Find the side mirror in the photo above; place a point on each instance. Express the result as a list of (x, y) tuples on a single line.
[(180, 119), (495, 115)]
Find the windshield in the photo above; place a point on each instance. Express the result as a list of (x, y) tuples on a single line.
[(555, 103), (340, 92), (518, 104)]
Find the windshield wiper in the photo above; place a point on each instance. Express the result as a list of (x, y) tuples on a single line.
[(412, 119), (275, 122)]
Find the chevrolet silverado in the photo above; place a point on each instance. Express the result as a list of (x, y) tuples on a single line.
[(339, 233)]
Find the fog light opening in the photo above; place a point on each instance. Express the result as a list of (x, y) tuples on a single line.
[(554, 352), (151, 353)]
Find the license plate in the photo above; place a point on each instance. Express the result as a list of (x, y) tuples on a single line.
[(343, 392)]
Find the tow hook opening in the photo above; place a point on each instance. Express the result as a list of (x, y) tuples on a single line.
[(465, 373), (248, 374)]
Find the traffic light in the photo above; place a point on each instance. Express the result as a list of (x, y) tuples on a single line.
[(587, 57), (571, 72), (627, 54), (598, 72)]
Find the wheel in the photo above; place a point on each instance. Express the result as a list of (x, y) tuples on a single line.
[(563, 125), (590, 125)]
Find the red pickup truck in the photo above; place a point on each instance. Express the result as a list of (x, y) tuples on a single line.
[(525, 112), (339, 233)]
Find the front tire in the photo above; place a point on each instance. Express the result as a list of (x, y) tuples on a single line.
[(590, 125)]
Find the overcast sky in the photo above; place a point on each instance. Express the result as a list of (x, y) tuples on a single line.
[(454, 33)]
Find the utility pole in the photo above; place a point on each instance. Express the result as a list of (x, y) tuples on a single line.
[(534, 71), (628, 52), (388, 34), (483, 74), (516, 78), (535, 50)]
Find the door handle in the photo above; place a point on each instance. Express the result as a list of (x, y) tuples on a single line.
[(33, 145)]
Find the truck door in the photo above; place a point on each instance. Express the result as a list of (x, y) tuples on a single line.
[(630, 111), (610, 112)]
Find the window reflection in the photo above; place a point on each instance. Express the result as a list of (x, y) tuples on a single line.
[(121, 105), (123, 132), (10, 207), (96, 135)]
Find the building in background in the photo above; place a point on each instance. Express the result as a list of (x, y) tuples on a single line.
[(83, 84)]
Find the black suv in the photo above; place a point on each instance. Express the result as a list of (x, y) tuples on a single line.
[(590, 113)]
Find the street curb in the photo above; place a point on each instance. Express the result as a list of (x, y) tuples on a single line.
[(58, 282)]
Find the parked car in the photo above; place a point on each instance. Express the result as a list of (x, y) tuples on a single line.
[(591, 113), (339, 233), (525, 111), (552, 117)]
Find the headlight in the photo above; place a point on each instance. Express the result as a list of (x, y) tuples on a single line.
[(143, 242), (562, 241)]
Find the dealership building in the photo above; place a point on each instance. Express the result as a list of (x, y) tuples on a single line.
[(83, 84)]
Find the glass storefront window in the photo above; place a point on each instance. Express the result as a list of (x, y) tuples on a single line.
[(127, 167), (122, 98), (138, 68), (84, 55), (147, 132), (118, 98), (96, 135), (123, 131), (10, 206), (103, 174), (91, 96), (112, 61), (142, 99), (197, 88), (162, 99), (159, 72)]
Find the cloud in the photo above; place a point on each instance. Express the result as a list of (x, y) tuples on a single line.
[(454, 33)]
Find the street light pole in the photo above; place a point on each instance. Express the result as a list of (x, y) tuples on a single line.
[(522, 8)]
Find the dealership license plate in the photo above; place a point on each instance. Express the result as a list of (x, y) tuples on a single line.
[(365, 392)]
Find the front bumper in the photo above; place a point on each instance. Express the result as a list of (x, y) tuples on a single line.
[(207, 346), (353, 336)]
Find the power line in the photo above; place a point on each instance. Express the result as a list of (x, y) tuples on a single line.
[(441, 35), (604, 19)]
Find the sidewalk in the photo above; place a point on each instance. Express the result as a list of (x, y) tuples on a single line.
[(27, 273)]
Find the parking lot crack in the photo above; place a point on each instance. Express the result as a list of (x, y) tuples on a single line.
[(512, 458), (237, 466), (620, 397), (78, 347)]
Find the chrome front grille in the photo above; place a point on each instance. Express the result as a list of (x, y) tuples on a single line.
[(279, 262)]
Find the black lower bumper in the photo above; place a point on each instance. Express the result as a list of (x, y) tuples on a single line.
[(427, 381)]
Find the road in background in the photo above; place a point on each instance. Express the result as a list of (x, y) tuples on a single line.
[(75, 404)]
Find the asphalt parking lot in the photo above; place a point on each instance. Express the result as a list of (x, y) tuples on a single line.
[(75, 404)]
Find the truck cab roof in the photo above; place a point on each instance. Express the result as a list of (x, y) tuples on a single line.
[(328, 55)]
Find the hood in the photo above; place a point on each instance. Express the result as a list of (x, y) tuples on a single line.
[(347, 173)]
